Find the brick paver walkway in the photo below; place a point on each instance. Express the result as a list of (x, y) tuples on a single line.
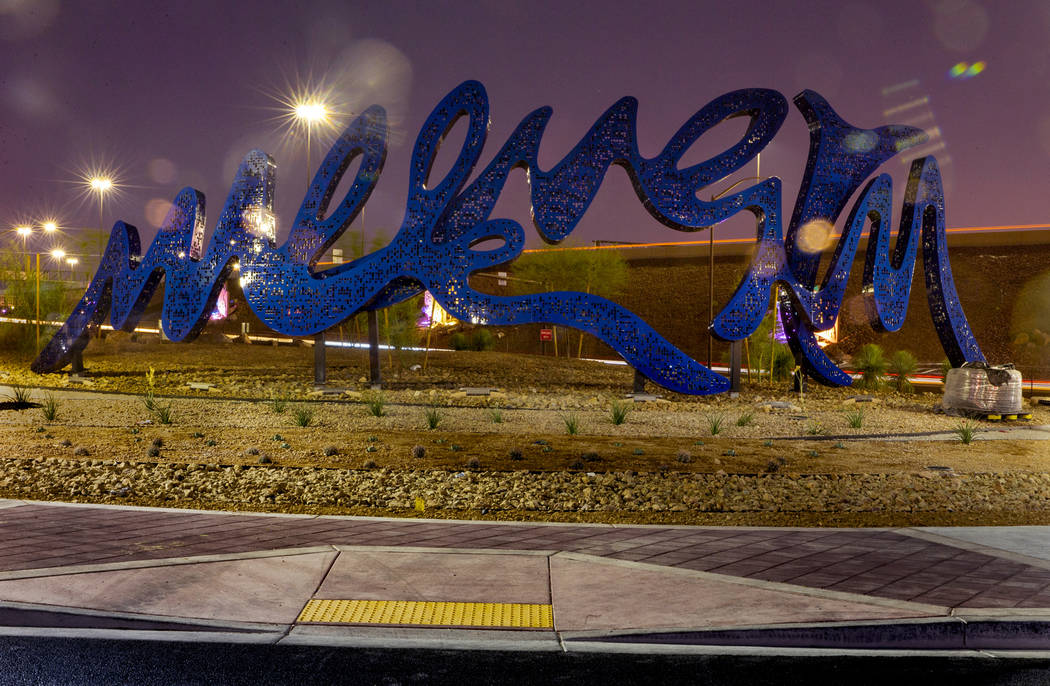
[(876, 562)]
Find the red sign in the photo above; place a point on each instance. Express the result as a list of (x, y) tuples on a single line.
[(546, 334)]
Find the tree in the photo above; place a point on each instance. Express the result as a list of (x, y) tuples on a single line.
[(598, 271)]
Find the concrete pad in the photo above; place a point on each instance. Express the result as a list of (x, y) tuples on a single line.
[(1033, 541), (438, 638), (438, 576), (272, 589), (597, 595)]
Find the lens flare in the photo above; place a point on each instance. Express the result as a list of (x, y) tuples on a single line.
[(814, 236)]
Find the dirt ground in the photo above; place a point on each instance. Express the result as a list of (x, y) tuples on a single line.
[(259, 394)]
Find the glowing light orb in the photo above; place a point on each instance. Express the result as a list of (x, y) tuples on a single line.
[(814, 236)]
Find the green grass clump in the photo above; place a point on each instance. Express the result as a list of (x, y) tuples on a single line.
[(164, 414), (903, 364), (618, 412), (854, 417), (496, 415), (20, 394), (376, 404), (966, 432), (304, 416), (278, 403), (50, 408), (572, 424), (714, 423), (816, 429), (871, 363), (745, 419), (432, 415)]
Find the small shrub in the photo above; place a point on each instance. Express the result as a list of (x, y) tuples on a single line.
[(157, 442), (663, 468), (473, 463), (455, 448), (376, 404), (304, 416), (639, 451), (576, 465), (278, 403), (330, 450), (871, 363), (816, 429), (946, 366), (50, 408), (211, 443), (278, 437), (714, 423), (684, 456), (134, 430), (772, 466), (547, 449), (459, 341), (591, 456), (65, 443), (855, 417), (285, 446), (482, 339), (516, 454), (903, 364), (813, 453), (432, 415), (81, 452), (966, 432), (572, 424), (840, 445), (251, 451), (729, 453), (419, 452), (369, 464), (20, 394), (745, 419), (496, 415), (618, 412), (153, 451), (371, 449), (767, 444), (372, 439), (197, 434), (265, 459)]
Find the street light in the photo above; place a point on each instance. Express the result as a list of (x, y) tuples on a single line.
[(72, 262), (100, 185), (310, 113)]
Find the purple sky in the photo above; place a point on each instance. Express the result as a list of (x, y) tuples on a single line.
[(174, 94)]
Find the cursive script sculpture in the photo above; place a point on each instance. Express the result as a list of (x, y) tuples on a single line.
[(445, 221)]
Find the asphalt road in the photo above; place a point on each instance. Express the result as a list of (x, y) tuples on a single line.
[(41, 661)]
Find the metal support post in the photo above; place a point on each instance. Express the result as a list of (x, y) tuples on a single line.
[(320, 368), (639, 382), (736, 349), (373, 350)]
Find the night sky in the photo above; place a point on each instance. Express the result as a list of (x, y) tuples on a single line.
[(174, 94)]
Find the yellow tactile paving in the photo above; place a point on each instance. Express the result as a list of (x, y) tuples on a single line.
[(518, 615)]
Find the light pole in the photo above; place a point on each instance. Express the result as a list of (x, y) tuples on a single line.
[(308, 114), (25, 232), (100, 185), (72, 262)]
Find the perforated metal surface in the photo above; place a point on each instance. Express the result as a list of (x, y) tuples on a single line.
[(427, 613), (446, 219)]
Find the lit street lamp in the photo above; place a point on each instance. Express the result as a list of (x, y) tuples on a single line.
[(100, 185), (308, 114)]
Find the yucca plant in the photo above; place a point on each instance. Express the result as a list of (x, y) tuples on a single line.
[(903, 364), (572, 424), (966, 432), (432, 415), (871, 363), (855, 417)]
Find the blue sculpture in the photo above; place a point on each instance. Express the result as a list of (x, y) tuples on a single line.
[(435, 248)]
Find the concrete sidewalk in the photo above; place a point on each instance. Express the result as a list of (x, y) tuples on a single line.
[(124, 572)]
